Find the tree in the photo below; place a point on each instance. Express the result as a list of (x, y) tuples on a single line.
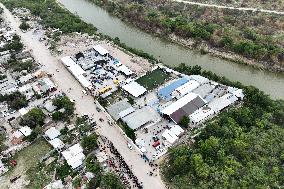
[(93, 165), (111, 181), (89, 143), (184, 121), (35, 117), (65, 103), (35, 132), (24, 26)]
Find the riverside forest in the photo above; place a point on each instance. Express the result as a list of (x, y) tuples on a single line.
[(241, 148), (254, 36)]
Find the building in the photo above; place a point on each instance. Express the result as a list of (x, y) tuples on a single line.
[(134, 89), (142, 117), (52, 133), (166, 92), (74, 156), (44, 86), (185, 89), (201, 115), (183, 107), (77, 72), (56, 143), (26, 131), (169, 136), (115, 109)]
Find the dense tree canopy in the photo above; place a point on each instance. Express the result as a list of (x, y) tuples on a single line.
[(35, 117), (15, 100), (89, 143)]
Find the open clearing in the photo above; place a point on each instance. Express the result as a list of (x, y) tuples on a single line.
[(26, 159)]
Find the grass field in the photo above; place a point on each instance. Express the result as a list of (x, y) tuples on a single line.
[(153, 79), (26, 159)]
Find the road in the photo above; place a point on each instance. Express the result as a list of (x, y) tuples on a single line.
[(84, 104), (230, 7)]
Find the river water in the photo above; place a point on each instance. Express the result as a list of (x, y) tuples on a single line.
[(173, 54)]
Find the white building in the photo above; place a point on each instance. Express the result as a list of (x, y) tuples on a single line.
[(74, 156), (52, 133)]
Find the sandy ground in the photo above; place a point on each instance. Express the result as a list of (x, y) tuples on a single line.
[(85, 104)]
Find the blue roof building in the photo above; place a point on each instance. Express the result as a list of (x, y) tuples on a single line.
[(165, 93)]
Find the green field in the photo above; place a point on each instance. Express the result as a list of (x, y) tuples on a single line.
[(153, 79), (26, 159)]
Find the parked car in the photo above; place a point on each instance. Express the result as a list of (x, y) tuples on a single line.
[(129, 146)]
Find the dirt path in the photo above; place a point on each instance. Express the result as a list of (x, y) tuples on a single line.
[(85, 104), (230, 7)]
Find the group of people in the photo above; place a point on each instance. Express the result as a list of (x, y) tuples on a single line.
[(124, 165)]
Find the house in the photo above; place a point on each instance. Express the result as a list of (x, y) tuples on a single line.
[(17, 137), (74, 156), (56, 143), (26, 131), (52, 133), (44, 86)]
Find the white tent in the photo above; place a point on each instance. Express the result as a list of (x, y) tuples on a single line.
[(201, 115), (179, 103), (23, 111), (100, 50), (169, 136), (134, 89), (56, 143), (177, 130), (25, 130), (52, 133)]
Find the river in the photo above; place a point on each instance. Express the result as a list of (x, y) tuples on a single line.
[(173, 54)]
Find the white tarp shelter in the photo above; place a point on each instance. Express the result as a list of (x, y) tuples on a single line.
[(23, 111), (177, 130), (124, 69), (52, 133), (201, 115), (74, 156), (56, 143), (26, 130), (100, 50), (200, 79), (134, 89), (126, 112), (179, 103), (186, 88), (169, 136)]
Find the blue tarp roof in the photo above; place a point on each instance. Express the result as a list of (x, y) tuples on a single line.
[(165, 92)]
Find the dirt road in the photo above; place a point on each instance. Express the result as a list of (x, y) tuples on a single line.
[(230, 7), (84, 104)]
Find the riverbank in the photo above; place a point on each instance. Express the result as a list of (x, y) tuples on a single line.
[(204, 38)]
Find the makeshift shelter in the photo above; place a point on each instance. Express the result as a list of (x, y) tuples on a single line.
[(134, 89)]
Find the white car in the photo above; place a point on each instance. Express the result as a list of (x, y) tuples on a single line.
[(84, 92)]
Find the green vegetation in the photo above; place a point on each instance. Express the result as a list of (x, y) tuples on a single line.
[(18, 66), (65, 108), (14, 46), (35, 117), (248, 35), (184, 121), (15, 100), (110, 181), (242, 147), (92, 165), (153, 79), (128, 131), (35, 133), (2, 77), (27, 159), (2, 140), (52, 15), (64, 170), (40, 175), (89, 143), (24, 26)]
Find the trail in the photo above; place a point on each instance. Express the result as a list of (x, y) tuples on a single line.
[(230, 7)]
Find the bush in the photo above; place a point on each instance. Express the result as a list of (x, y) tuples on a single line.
[(24, 26), (184, 122), (89, 143), (15, 100), (35, 117)]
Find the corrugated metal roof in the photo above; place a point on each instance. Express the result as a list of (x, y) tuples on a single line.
[(166, 91)]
